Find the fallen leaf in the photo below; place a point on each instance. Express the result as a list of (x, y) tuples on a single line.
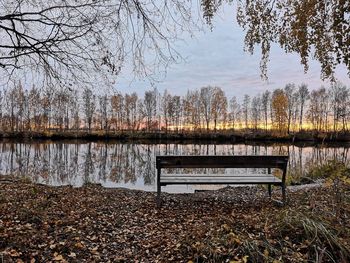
[(58, 258), (79, 245), (53, 246), (14, 253)]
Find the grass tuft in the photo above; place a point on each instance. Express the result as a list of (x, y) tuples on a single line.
[(313, 233)]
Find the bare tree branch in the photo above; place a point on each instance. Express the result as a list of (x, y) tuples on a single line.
[(74, 41)]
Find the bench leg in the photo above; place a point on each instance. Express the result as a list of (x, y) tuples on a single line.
[(284, 185), (159, 201), (269, 189), (284, 194), (159, 188)]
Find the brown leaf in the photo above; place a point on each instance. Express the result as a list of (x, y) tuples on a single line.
[(14, 253), (52, 246), (58, 258), (79, 245)]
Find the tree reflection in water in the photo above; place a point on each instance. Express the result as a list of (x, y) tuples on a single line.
[(132, 165)]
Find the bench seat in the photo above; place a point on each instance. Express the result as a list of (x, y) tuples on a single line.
[(167, 179)]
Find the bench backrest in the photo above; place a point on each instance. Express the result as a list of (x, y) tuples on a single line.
[(222, 161)]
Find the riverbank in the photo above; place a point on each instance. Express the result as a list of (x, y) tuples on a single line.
[(158, 137), (39, 223)]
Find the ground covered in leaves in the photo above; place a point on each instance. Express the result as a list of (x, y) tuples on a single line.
[(94, 224)]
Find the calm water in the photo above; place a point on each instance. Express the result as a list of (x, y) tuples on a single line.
[(133, 165)]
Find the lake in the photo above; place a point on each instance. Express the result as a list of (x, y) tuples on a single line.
[(132, 165)]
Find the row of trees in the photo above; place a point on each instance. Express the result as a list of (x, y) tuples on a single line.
[(289, 109)]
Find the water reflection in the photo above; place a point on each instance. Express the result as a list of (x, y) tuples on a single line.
[(132, 165)]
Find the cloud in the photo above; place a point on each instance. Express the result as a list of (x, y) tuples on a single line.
[(217, 58)]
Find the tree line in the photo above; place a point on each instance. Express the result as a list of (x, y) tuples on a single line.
[(284, 110)]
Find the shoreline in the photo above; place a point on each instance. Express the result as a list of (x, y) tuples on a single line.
[(186, 137)]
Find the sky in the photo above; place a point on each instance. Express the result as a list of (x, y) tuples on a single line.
[(217, 58)]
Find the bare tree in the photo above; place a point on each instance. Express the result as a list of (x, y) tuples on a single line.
[(89, 106), (118, 110), (34, 106), (289, 92), (339, 96), (1, 108), (26, 112), (256, 111), (19, 105), (131, 110), (61, 108), (14, 105), (177, 109), (70, 40), (192, 109), (317, 112), (103, 112), (219, 106), (74, 108), (234, 109), (246, 110), (303, 97), (150, 108), (46, 104), (295, 110), (265, 100), (166, 98), (206, 97)]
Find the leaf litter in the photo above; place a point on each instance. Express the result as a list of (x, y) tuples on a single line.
[(94, 224)]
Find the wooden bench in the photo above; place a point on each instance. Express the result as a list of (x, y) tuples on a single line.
[(226, 161)]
